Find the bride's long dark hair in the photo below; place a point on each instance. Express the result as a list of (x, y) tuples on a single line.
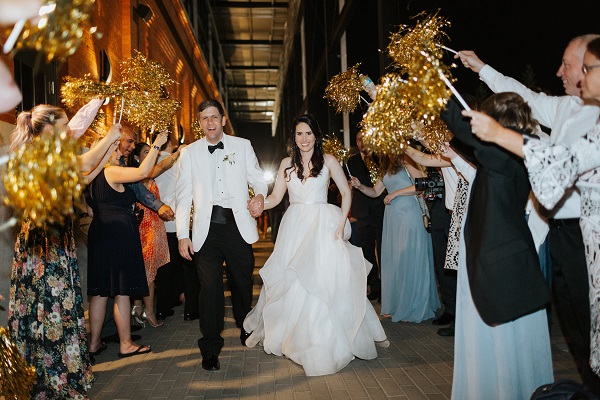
[(318, 157)]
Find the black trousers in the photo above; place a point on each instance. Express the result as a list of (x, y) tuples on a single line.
[(571, 288), (224, 243), (368, 235), (440, 228), (169, 277)]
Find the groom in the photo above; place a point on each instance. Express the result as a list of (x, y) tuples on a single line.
[(215, 173)]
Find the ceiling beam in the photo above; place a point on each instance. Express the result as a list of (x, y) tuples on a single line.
[(252, 42), (265, 68), (245, 4), (253, 86)]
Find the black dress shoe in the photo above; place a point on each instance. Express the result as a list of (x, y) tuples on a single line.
[(190, 316), (164, 314), (443, 319), (447, 331), (211, 362), (115, 338), (243, 336)]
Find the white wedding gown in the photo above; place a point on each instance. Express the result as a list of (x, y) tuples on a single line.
[(313, 307)]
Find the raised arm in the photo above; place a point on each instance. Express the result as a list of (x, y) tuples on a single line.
[(92, 159), (127, 174), (165, 164), (427, 160), (374, 191), (488, 129), (338, 176)]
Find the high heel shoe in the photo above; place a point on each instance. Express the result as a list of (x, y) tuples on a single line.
[(138, 319), (145, 318)]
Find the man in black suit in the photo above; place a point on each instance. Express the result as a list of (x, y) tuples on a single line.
[(368, 213)]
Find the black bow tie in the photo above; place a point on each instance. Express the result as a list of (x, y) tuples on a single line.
[(216, 146)]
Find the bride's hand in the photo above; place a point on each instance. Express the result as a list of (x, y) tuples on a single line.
[(339, 232)]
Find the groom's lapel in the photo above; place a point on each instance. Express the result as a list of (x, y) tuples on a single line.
[(203, 172)]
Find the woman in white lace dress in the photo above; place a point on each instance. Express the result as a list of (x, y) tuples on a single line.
[(554, 168)]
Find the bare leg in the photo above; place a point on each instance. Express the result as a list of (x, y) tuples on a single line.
[(97, 314), (149, 307), (123, 321)]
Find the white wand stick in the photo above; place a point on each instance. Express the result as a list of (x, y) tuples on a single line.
[(454, 91), (446, 48)]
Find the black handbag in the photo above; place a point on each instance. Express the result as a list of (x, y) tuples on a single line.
[(564, 389)]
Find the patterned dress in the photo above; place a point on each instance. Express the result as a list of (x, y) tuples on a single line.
[(153, 235), (46, 317), (554, 168)]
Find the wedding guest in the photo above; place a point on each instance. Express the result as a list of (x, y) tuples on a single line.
[(368, 215), (313, 307), (46, 316), (569, 117), (408, 287), (502, 343), (553, 168), (153, 236), (214, 173), (115, 261)]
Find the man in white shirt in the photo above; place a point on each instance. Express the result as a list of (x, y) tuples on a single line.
[(569, 118)]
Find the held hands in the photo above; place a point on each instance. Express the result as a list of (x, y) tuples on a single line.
[(166, 213), (256, 205), (470, 60), (186, 250), (483, 126)]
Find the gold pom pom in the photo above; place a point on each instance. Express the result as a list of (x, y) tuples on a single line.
[(42, 178), (374, 171), (75, 92), (386, 125), (332, 145), (59, 31), (198, 131), (141, 74), (409, 40), (16, 377), (343, 91)]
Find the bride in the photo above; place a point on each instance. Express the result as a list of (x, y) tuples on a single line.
[(313, 306)]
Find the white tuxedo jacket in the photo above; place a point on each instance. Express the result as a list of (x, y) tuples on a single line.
[(194, 183)]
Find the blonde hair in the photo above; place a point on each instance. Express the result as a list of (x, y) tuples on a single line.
[(32, 123)]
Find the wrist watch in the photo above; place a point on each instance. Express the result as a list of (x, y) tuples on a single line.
[(156, 147)]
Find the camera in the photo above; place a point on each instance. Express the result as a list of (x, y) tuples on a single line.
[(432, 185)]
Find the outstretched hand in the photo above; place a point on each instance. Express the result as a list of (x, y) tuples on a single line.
[(483, 126), (469, 59)]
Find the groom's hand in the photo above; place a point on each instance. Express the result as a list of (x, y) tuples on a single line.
[(257, 205), (186, 249)]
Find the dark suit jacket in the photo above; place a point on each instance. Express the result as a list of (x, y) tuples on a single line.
[(502, 264), (363, 206)]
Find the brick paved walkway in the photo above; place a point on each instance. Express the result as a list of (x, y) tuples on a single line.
[(417, 365)]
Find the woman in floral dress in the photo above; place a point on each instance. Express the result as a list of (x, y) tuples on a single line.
[(46, 316)]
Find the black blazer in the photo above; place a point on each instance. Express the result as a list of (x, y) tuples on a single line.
[(502, 263), (364, 206)]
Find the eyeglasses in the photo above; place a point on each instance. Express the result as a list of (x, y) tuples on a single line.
[(586, 68)]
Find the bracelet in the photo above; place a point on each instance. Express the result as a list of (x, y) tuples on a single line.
[(156, 147)]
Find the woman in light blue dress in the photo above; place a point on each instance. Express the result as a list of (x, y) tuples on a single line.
[(408, 288)]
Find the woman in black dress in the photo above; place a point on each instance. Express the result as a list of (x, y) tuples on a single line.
[(115, 263)]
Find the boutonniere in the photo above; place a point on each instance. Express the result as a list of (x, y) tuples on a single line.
[(230, 158)]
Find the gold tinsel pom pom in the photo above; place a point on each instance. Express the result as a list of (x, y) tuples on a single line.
[(386, 125), (343, 91), (425, 87), (16, 377), (59, 31), (404, 43), (436, 133), (198, 131), (374, 171), (75, 92), (139, 73), (332, 145), (42, 178)]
